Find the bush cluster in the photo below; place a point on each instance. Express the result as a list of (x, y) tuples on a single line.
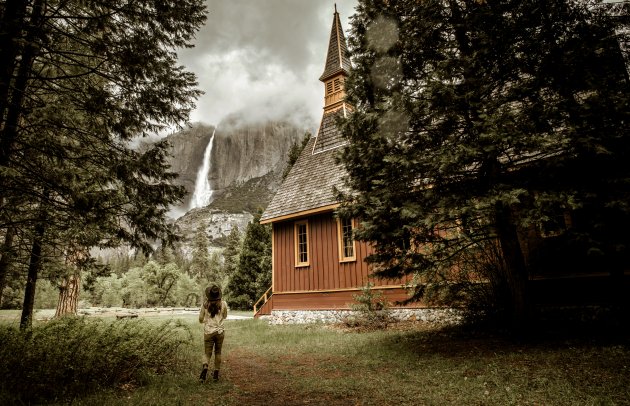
[(70, 357), (371, 310)]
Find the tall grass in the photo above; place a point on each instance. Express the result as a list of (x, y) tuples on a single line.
[(66, 358), (296, 364)]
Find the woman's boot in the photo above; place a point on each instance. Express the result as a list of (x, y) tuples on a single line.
[(216, 375), (204, 373)]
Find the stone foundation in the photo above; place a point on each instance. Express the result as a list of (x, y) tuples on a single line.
[(429, 315)]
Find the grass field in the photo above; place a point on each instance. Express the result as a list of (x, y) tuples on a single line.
[(414, 365)]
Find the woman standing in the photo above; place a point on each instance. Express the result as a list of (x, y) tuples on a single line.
[(212, 314)]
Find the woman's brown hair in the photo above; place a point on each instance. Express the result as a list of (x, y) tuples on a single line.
[(213, 294), (214, 306)]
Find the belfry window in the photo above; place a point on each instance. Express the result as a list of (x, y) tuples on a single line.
[(337, 85)]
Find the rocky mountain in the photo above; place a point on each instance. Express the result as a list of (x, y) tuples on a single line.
[(187, 148), (242, 152), (245, 169), (217, 223)]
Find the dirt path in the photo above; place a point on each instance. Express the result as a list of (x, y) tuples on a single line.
[(257, 381)]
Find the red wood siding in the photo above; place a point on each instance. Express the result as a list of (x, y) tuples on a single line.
[(332, 300), (324, 271)]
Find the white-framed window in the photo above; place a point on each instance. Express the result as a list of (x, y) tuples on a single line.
[(345, 237), (301, 243)]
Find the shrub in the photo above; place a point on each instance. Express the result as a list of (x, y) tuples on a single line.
[(67, 358), (240, 302), (371, 310)]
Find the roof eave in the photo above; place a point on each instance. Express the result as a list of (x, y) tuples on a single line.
[(303, 213), (341, 71)]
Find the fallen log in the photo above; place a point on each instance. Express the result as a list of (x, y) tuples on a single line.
[(127, 316)]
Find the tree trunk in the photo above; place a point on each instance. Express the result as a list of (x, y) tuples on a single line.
[(13, 90), (10, 36), (5, 259), (517, 277), (34, 264), (69, 296)]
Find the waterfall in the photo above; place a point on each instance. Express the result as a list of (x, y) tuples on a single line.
[(203, 192)]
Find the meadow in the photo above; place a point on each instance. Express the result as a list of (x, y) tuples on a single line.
[(407, 364)]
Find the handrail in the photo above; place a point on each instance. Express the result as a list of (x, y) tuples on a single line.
[(265, 296)]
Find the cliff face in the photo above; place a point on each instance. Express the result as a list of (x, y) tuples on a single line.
[(242, 151), (187, 148), (242, 154), (217, 223)]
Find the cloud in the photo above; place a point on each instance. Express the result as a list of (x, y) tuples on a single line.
[(263, 58)]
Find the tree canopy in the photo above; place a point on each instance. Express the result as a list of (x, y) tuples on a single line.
[(478, 120), (79, 81)]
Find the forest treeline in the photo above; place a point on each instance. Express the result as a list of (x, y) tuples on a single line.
[(167, 277)]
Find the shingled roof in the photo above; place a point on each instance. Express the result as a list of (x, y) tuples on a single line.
[(337, 59), (329, 136), (311, 182), (309, 185)]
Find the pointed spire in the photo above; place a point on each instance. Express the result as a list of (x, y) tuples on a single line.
[(337, 59)]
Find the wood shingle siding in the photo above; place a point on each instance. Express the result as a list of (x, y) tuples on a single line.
[(328, 136), (309, 185), (337, 59)]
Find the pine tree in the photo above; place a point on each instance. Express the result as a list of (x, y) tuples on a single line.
[(478, 119), (200, 262), (253, 274), (294, 153), (79, 80), (232, 252)]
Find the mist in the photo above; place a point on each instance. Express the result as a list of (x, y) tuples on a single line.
[(261, 60)]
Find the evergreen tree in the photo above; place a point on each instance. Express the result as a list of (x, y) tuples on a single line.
[(164, 255), (253, 274), (79, 80), (205, 267), (200, 262), (231, 252), (216, 272), (294, 153), (476, 120)]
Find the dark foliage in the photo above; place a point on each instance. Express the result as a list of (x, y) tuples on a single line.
[(477, 121)]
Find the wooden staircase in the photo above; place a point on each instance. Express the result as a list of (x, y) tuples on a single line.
[(264, 305)]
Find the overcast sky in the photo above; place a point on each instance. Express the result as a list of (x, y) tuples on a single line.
[(263, 58)]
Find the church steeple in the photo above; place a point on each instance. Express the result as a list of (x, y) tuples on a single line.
[(337, 66), (335, 72)]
